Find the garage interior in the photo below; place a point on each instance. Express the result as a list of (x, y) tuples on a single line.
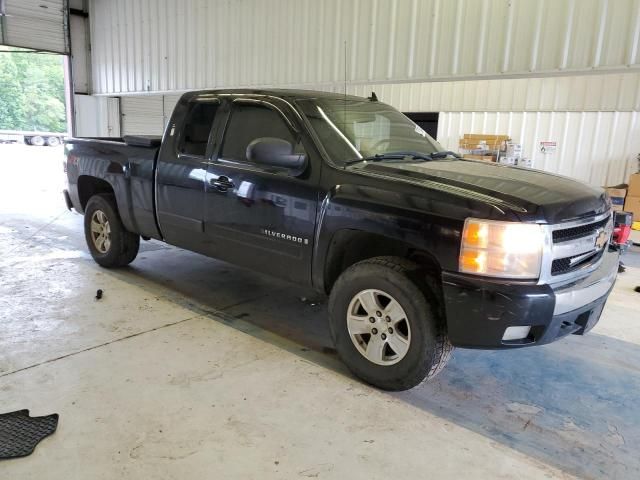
[(189, 367)]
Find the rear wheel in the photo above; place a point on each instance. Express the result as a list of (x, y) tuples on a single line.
[(53, 141), (387, 323), (110, 244)]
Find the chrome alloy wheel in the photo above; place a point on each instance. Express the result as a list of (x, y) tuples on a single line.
[(378, 327), (100, 231)]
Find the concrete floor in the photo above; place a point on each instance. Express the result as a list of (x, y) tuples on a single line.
[(191, 368)]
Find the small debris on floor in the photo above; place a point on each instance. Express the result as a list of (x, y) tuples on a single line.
[(637, 289), (98, 294), (312, 302)]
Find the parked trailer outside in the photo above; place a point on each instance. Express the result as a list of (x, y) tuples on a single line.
[(39, 139)]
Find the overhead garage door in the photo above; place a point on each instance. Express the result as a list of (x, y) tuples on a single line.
[(36, 24)]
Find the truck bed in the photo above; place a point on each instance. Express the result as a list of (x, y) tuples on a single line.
[(127, 164), (148, 141)]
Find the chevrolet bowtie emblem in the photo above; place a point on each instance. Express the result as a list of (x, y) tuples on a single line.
[(601, 239)]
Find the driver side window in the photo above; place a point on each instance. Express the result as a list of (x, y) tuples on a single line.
[(249, 122)]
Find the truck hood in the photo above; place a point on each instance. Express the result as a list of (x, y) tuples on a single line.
[(532, 195)]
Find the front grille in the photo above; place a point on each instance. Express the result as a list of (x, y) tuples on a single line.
[(574, 233), (577, 243), (563, 265)]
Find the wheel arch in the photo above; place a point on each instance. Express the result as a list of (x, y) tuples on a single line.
[(88, 186), (350, 246)]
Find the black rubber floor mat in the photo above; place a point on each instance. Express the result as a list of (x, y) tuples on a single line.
[(20, 433)]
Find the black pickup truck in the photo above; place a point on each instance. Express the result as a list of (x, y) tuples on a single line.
[(417, 249)]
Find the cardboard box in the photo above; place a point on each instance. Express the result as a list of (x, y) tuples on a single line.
[(470, 141), (634, 185), (484, 158), (632, 204), (617, 197)]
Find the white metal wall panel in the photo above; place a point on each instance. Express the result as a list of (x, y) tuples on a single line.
[(96, 116), (163, 45), (142, 115), (146, 114), (80, 53), (600, 148), (606, 92), (36, 24), (169, 104)]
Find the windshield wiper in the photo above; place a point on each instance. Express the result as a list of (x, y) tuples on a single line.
[(406, 156), (445, 153)]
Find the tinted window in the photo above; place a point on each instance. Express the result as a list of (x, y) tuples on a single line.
[(197, 127), (249, 122)]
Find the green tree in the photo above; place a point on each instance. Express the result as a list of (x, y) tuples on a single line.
[(31, 91)]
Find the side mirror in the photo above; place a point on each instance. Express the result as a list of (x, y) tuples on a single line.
[(275, 152)]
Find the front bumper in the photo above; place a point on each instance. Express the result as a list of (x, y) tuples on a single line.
[(480, 310)]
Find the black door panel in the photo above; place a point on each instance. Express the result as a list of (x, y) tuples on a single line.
[(257, 216), (182, 172)]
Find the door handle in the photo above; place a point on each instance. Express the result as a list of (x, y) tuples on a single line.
[(222, 183)]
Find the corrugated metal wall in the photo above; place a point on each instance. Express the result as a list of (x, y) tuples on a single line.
[(146, 114), (97, 116), (80, 56), (162, 45), (588, 93), (142, 115), (37, 24), (600, 148), (606, 93)]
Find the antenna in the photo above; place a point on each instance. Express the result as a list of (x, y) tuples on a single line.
[(345, 85), (345, 69)]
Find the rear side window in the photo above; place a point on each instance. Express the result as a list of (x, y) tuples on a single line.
[(197, 127), (249, 122)]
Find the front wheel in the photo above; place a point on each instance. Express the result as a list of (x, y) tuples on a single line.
[(387, 323), (110, 244)]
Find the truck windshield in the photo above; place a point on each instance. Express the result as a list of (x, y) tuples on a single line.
[(352, 129)]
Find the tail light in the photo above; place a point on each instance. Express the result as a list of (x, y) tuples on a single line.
[(70, 161), (622, 227)]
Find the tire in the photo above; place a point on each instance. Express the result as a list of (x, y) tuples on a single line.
[(37, 141), (53, 141), (422, 332), (122, 246)]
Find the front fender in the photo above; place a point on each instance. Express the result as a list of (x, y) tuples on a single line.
[(393, 215)]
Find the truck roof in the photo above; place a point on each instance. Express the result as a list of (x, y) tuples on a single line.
[(289, 94)]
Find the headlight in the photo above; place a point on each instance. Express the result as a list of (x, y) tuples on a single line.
[(501, 249)]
